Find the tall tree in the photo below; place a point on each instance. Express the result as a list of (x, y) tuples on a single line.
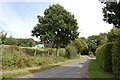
[(111, 12), (93, 42), (93, 39), (102, 37), (57, 25)]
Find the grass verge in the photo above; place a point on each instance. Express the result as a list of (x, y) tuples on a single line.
[(16, 74), (94, 71)]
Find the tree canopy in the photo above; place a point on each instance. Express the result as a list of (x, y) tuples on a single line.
[(111, 12), (113, 34), (57, 26)]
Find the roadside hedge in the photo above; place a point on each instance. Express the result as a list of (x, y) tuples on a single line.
[(71, 51), (14, 57), (116, 58), (108, 56), (104, 56)]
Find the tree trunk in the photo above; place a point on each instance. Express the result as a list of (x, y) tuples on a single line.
[(57, 53), (35, 53)]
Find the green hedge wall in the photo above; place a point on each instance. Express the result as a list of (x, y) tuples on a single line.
[(116, 58), (108, 56), (104, 56)]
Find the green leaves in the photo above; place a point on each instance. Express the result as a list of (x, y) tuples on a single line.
[(111, 13), (57, 25)]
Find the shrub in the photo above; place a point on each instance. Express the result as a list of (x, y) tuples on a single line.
[(71, 51), (116, 58), (51, 51), (104, 56), (62, 52), (9, 60), (79, 44)]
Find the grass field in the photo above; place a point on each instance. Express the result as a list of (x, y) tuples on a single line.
[(95, 71)]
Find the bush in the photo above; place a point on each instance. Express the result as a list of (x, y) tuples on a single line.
[(71, 51), (116, 58), (104, 56), (79, 44), (11, 60), (51, 51), (62, 52)]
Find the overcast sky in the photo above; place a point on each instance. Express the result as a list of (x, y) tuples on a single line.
[(18, 17)]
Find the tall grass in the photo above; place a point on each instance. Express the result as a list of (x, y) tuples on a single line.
[(14, 57)]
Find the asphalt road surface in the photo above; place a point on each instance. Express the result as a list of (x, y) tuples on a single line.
[(76, 69)]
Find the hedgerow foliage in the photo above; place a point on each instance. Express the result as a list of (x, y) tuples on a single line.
[(14, 57), (104, 56), (108, 56), (116, 58)]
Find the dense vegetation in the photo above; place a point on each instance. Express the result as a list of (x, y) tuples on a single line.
[(116, 58), (104, 56), (108, 55), (15, 57)]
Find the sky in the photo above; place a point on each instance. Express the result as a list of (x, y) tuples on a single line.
[(18, 17)]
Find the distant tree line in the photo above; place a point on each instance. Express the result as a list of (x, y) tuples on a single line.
[(20, 42), (28, 42)]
